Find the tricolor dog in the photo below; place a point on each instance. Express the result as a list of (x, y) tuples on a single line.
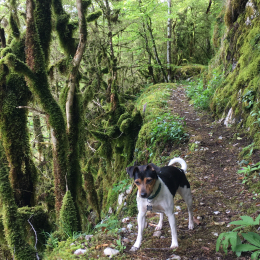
[(156, 190)]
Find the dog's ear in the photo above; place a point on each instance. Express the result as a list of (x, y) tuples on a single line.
[(153, 167), (131, 170)]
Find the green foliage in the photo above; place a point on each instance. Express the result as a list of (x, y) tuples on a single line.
[(200, 94), (120, 245), (68, 215), (233, 239), (109, 223), (248, 170)]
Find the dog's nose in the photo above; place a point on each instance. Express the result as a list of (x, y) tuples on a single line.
[(143, 194)]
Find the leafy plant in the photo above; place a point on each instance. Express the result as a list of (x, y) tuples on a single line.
[(248, 99), (121, 186), (109, 223), (120, 245), (246, 171), (201, 94), (232, 238), (52, 240), (257, 114), (168, 127)]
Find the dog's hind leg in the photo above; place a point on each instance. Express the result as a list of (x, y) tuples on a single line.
[(160, 224), (186, 195)]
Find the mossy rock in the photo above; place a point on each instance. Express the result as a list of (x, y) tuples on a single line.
[(188, 71)]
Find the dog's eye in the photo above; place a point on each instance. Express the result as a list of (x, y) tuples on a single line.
[(148, 181), (137, 183)]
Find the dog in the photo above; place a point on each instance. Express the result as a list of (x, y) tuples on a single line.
[(156, 190)]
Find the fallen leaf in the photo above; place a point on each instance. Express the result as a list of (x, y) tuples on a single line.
[(196, 221), (205, 248), (219, 223)]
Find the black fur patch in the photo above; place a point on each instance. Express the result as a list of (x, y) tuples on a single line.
[(173, 178)]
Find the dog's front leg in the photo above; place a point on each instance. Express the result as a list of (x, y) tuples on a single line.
[(172, 222), (141, 225)]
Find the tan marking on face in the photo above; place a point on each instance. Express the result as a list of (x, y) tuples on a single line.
[(149, 186), (140, 186)]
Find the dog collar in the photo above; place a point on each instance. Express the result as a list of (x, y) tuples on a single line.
[(156, 193)]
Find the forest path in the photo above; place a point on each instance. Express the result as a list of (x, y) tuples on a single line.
[(219, 197)]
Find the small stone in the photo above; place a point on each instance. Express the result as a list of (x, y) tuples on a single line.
[(123, 229), (72, 244), (174, 257), (215, 234), (110, 252), (124, 220), (126, 240), (80, 251), (88, 237), (157, 233), (129, 226), (216, 212), (178, 207)]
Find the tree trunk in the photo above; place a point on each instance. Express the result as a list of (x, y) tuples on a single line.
[(149, 27), (38, 82), (169, 35)]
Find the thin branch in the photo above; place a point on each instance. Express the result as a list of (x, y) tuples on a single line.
[(35, 237), (91, 148), (34, 109)]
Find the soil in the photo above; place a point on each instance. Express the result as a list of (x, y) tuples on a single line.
[(219, 197)]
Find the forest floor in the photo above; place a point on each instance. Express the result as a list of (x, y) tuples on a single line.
[(219, 197)]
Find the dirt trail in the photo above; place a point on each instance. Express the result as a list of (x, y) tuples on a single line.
[(218, 195)]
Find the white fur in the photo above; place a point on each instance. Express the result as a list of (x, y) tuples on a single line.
[(163, 203), (181, 162)]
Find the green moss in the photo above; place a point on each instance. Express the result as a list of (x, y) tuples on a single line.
[(13, 230), (68, 215), (43, 22), (93, 16), (188, 71), (13, 123), (14, 26)]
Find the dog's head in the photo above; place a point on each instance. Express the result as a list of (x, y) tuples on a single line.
[(145, 177)]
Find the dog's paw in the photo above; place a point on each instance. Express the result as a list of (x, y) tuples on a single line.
[(158, 227), (133, 249), (191, 226), (174, 246)]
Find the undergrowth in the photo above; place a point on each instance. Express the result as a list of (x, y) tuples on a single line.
[(201, 93)]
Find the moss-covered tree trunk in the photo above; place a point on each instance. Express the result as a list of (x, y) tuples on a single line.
[(38, 83), (12, 228)]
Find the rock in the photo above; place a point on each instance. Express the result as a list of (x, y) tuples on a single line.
[(80, 251), (126, 240), (123, 229), (157, 233), (215, 234), (88, 237), (178, 207), (129, 190), (110, 252), (174, 257), (229, 120), (110, 211), (124, 220), (121, 198), (129, 226)]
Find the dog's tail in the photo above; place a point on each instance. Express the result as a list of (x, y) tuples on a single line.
[(180, 161)]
